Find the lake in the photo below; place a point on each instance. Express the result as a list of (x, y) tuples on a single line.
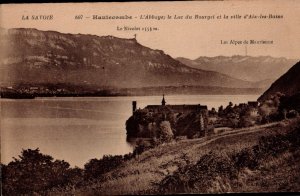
[(79, 129)]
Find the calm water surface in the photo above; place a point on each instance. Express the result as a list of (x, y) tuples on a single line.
[(79, 129)]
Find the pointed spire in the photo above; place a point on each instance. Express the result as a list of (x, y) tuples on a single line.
[(163, 102)]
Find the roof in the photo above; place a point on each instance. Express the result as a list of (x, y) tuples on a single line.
[(179, 107)]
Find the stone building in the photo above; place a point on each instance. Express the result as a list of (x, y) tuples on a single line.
[(200, 110)]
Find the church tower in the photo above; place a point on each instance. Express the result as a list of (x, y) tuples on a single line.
[(163, 102), (133, 106)]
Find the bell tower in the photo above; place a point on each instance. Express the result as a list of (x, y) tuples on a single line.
[(133, 106), (163, 102)]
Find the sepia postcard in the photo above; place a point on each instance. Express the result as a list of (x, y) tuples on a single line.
[(139, 98)]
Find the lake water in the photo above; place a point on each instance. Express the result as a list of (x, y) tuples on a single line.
[(79, 129)]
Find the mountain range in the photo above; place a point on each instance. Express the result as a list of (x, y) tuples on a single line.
[(262, 70), (31, 56), (34, 56)]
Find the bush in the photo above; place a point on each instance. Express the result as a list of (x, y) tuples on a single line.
[(166, 133), (141, 146), (245, 158), (246, 121), (292, 114), (217, 173), (199, 178), (34, 172), (96, 168)]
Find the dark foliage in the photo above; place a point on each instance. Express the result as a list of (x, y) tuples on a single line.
[(212, 168), (97, 167), (141, 118), (34, 172), (199, 177), (188, 125), (236, 116), (245, 158), (245, 121), (290, 102), (145, 123), (132, 124), (143, 145)]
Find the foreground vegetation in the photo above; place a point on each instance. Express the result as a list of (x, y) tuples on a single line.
[(248, 160), (216, 165), (269, 166)]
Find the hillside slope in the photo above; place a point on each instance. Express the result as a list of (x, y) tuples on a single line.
[(34, 56), (206, 165), (288, 83)]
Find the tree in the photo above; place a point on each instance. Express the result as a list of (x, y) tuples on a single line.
[(213, 112), (96, 168), (246, 121), (270, 108), (220, 110), (34, 172), (229, 108), (141, 146), (166, 133)]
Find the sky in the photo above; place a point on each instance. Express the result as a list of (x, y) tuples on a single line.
[(188, 38)]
